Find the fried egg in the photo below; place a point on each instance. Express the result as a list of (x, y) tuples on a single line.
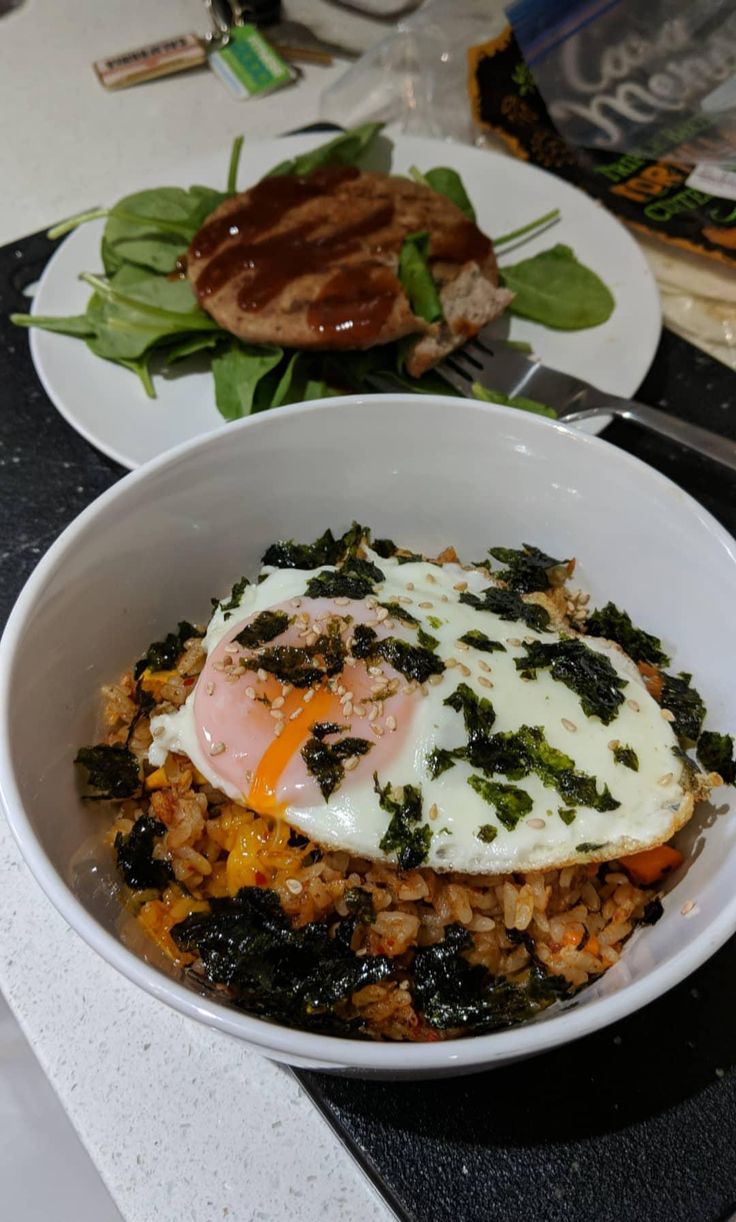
[(332, 742)]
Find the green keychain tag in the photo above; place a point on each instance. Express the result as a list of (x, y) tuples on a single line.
[(248, 65)]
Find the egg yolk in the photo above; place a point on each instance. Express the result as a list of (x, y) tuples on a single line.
[(252, 726)]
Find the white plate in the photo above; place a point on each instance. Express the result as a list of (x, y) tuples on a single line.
[(107, 405)]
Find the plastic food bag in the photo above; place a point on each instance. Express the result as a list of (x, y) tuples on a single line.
[(417, 76), (655, 79)]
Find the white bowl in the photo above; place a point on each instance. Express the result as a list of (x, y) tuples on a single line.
[(427, 471)]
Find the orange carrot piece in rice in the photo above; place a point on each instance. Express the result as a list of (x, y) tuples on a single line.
[(651, 865)]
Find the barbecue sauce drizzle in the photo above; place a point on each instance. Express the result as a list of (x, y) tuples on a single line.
[(356, 300)]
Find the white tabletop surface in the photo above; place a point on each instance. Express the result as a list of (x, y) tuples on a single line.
[(181, 1122)]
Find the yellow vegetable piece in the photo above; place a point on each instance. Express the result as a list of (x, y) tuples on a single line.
[(153, 680), (157, 779)]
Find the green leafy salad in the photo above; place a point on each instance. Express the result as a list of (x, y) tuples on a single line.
[(143, 313)]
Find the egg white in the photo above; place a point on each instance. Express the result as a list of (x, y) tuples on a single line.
[(654, 801)]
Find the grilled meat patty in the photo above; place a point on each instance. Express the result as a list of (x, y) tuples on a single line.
[(311, 263)]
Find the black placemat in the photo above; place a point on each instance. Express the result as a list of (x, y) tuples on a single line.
[(637, 1122)]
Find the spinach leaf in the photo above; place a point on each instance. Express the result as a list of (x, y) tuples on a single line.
[(345, 149), (556, 290), (511, 803), (190, 346), (686, 703), (78, 325), (538, 223), (448, 182), (112, 770), (508, 605), (153, 228), (134, 853), (237, 369), (715, 753), (403, 836), (266, 626), (486, 395), (587, 673), (478, 640), (416, 277), (616, 626), (626, 756), (295, 976), (163, 655), (530, 569)]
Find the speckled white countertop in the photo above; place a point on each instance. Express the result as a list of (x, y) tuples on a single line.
[(181, 1122)]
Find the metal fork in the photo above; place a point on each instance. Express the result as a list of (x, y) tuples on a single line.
[(503, 369)]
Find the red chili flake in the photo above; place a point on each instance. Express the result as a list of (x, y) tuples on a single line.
[(188, 682), (261, 879)]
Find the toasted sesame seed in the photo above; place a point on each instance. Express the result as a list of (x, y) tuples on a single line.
[(311, 638), (373, 712), (218, 666), (569, 725), (633, 705), (444, 598), (262, 674), (410, 585), (535, 823), (232, 678), (583, 599), (227, 660), (484, 666), (460, 585), (462, 646), (250, 693), (277, 703), (406, 602), (210, 688), (341, 689), (232, 649), (375, 670), (435, 679), (347, 709), (277, 714), (286, 688), (296, 602), (450, 663), (614, 743), (513, 640), (687, 907), (424, 689), (341, 602), (390, 722), (217, 748), (667, 714), (278, 728), (377, 730), (350, 763), (294, 886), (381, 614), (308, 695), (464, 670), (426, 606), (433, 811), (484, 682), (665, 780), (297, 713), (431, 579), (389, 623)]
